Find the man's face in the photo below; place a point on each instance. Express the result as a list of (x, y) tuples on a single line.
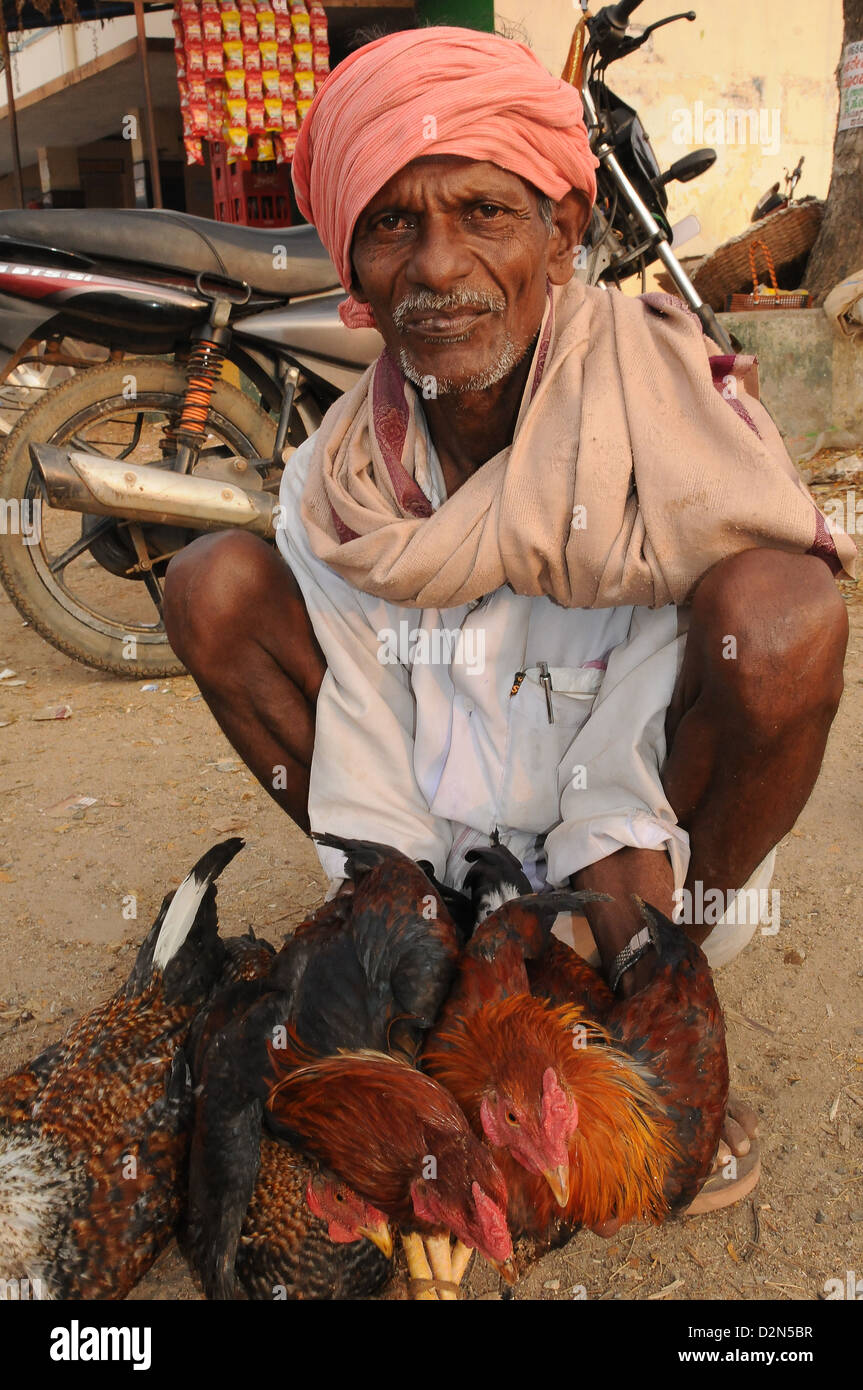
[(452, 255)]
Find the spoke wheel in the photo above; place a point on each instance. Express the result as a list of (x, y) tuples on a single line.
[(92, 586)]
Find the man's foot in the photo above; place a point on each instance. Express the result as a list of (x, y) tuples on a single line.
[(737, 1166)]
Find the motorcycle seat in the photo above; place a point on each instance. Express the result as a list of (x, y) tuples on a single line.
[(179, 241)]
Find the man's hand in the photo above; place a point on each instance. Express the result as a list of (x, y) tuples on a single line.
[(645, 872)]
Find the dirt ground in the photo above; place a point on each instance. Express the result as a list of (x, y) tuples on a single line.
[(166, 784)]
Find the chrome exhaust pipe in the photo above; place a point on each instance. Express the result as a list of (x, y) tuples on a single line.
[(79, 482)]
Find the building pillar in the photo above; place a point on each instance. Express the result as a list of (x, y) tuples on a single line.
[(58, 174)]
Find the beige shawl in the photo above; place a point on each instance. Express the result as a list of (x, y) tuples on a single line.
[(639, 459)]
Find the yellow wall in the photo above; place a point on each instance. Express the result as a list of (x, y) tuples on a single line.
[(776, 58)]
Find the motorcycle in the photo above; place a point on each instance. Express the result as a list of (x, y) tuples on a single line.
[(223, 350)]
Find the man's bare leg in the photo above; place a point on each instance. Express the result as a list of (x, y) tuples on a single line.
[(236, 618), (746, 733)]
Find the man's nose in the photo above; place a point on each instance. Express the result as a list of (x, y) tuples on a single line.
[(440, 258)]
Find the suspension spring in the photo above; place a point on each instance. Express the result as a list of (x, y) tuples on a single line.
[(203, 370)]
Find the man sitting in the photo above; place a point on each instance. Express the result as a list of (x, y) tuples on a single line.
[(546, 569)]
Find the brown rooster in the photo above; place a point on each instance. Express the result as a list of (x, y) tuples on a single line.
[(401, 1141), (591, 1121), (673, 1031), (94, 1133)]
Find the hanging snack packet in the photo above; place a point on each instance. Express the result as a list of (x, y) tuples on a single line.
[(319, 24), (273, 113), (254, 87), (215, 112), (290, 120), (235, 80), (194, 149), (211, 22), (266, 25), (194, 58), (237, 139), (300, 20), (303, 56), (252, 57), (304, 80), (230, 25), (286, 145), (269, 51), (192, 30), (263, 148), (213, 61), (255, 115), (236, 111), (199, 115)]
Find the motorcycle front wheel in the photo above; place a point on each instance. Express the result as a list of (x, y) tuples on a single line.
[(77, 579)]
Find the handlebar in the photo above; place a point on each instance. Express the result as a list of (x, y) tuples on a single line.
[(619, 14)]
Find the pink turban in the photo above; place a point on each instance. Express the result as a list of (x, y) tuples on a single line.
[(491, 99)]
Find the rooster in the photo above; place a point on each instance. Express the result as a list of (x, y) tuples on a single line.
[(369, 970), (673, 1031), (94, 1133), (597, 1110), (402, 1142)]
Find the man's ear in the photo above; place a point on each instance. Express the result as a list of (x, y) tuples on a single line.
[(571, 218)]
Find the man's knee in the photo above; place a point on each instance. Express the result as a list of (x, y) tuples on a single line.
[(771, 630), (214, 588)]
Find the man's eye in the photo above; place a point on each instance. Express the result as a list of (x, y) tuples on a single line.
[(390, 221), (489, 210)]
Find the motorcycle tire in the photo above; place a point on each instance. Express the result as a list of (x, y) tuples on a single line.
[(62, 622)]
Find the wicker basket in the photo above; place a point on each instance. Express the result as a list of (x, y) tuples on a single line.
[(789, 235), (762, 298)]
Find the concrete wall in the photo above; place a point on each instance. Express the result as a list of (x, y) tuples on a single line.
[(774, 60), (41, 55)]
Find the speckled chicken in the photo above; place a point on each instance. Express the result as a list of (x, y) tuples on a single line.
[(94, 1132)]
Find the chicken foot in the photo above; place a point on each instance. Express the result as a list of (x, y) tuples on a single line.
[(419, 1268), (439, 1253)]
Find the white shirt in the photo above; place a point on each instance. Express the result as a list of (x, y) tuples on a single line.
[(420, 743)]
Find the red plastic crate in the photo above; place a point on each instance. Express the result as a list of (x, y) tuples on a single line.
[(254, 193)]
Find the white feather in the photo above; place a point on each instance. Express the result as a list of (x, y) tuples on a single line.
[(180, 918)]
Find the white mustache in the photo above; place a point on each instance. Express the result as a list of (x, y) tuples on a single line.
[(426, 302)]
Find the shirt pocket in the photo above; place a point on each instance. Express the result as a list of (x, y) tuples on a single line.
[(535, 748)]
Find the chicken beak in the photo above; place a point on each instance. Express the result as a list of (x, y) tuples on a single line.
[(506, 1269), (558, 1181), (379, 1235)]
